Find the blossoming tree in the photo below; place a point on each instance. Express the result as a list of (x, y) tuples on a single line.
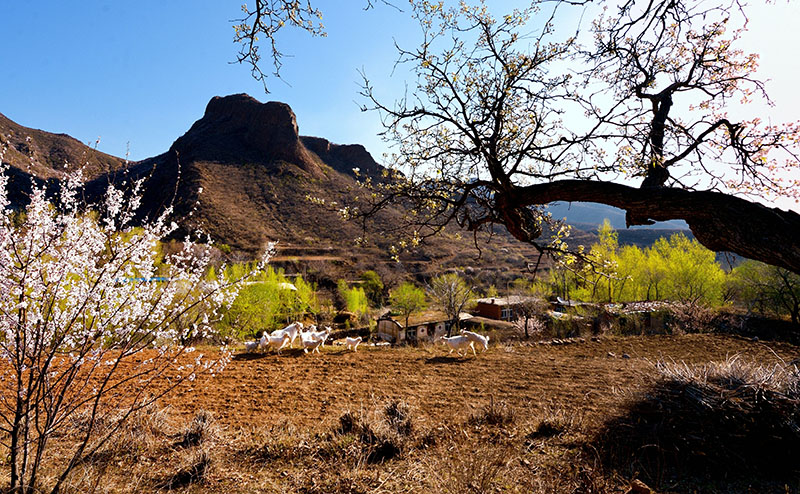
[(93, 323), (644, 106), (508, 114)]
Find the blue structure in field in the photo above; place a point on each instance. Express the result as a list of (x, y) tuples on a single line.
[(154, 279)]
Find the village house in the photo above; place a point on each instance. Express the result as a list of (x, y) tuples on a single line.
[(425, 326), (501, 308)]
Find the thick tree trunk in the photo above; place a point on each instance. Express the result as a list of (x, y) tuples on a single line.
[(719, 221)]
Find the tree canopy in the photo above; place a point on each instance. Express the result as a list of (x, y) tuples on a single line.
[(675, 268), (632, 109), (452, 295), (408, 299)]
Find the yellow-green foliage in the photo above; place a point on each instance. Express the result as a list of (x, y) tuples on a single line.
[(408, 299), (355, 298), (766, 289), (677, 269), (692, 273), (373, 287), (267, 302)]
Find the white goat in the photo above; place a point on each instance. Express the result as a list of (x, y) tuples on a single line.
[(250, 346), (321, 335), (312, 342), (306, 334), (293, 330), (459, 343), (476, 338), (352, 343), (278, 342), (328, 331)]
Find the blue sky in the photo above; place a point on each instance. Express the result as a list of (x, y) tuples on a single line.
[(140, 73)]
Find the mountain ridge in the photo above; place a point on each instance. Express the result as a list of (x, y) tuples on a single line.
[(243, 173), (590, 213)]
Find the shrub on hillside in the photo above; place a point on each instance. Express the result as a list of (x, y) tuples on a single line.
[(269, 301)]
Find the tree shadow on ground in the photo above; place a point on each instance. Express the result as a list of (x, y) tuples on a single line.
[(286, 352), (246, 356), (294, 353), (446, 359), (687, 437)]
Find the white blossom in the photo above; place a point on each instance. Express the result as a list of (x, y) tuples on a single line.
[(83, 292)]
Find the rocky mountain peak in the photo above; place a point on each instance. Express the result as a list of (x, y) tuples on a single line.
[(264, 125), (240, 129)]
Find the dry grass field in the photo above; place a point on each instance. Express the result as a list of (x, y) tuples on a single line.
[(519, 418)]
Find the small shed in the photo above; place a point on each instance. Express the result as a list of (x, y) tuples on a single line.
[(501, 308), (562, 305), (425, 326)]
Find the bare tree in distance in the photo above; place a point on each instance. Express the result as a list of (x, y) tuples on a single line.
[(528, 304), (452, 294)]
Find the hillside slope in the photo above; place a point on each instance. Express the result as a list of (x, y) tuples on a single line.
[(244, 174), (33, 154)]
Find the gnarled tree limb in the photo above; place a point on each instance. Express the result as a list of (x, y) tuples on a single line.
[(719, 221)]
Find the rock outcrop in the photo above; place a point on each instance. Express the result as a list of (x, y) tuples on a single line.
[(238, 129), (344, 157), (256, 173)]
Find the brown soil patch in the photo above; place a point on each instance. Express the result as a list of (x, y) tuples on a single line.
[(519, 418), (264, 388)]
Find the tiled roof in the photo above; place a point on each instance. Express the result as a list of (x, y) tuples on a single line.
[(510, 300), (426, 317)]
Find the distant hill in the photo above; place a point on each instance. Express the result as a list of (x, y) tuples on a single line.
[(586, 217), (590, 213), (43, 156)]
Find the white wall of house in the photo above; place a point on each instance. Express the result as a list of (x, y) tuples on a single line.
[(423, 332)]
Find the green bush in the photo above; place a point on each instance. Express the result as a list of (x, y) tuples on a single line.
[(676, 268), (266, 303)]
